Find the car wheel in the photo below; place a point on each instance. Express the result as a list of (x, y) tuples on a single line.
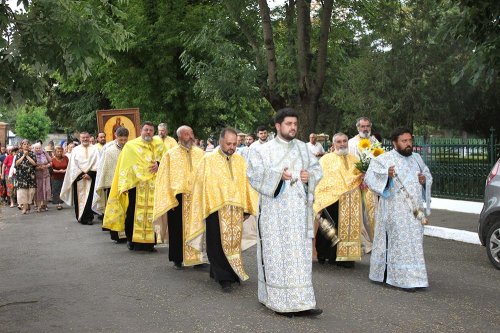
[(493, 244)]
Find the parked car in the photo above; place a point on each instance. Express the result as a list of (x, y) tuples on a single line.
[(489, 220)]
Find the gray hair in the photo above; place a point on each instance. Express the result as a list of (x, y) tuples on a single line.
[(336, 135), (181, 129), (362, 118), (163, 125), (36, 145), (121, 131)]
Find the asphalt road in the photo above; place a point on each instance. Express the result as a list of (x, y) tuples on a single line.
[(59, 276)]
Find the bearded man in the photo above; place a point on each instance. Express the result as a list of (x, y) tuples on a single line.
[(338, 200), (403, 182), (173, 197), (285, 173), (79, 180), (131, 199), (221, 196)]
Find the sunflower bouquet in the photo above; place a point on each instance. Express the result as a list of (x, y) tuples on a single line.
[(367, 151)]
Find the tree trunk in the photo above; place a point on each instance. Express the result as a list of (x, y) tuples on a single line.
[(307, 108)]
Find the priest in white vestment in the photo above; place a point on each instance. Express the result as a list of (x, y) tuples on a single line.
[(104, 177), (403, 182), (284, 173), (79, 180)]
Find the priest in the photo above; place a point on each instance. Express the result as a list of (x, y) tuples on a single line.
[(221, 196), (338, 201), (130, 204), (403, 182), (79, 180), (105, 173), (285, 173), (173, 197)]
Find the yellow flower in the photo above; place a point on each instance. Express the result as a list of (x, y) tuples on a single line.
[(377, 151), (364, 144)]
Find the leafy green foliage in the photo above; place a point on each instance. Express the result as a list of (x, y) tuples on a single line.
[(64, 36), (32, 124)]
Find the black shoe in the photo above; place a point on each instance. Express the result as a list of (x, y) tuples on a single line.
[(200, 266), (320, 261), (409, 290), (309, 313), (226, 286), (90, 222), (345, 264), (130, 246), (178, 265), (285, 314)]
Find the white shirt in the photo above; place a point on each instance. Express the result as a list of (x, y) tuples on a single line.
[(315, 149)]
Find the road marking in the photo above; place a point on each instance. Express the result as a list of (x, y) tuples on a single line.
[(453, 234)]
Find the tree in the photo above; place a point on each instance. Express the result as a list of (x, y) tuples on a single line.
[(63, 36), (32, 124), (477, 24), (292, 74)]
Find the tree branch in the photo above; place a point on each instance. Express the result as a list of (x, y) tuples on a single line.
[(251, 39)]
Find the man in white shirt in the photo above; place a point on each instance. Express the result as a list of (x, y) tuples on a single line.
[(315, 147), (364, 126)]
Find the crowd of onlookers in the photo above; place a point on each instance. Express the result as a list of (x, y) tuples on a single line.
[(32, 175)]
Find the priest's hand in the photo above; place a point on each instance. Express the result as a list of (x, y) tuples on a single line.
[(304, 176), (154, 168), (392, 171), (286, 175), (421, 178)]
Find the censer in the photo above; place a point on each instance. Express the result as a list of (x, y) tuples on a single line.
[(328, 228)]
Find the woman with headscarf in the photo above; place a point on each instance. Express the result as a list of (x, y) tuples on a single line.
[(25, 176), (59, 165), (43, 162)]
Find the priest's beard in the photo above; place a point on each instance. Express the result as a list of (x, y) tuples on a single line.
[(147, 138), (187, 144), (341, 151), (364, 134), (229, 152), (405, 151), (288, 136)]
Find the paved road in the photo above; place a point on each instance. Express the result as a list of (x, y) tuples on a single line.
[(59, 276)]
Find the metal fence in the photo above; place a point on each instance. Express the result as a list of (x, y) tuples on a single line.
[(459, 166)]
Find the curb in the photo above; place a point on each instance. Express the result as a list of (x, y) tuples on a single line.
[(452, 234)]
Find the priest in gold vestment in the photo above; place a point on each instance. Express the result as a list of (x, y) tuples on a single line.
[(173, 197), (221, 196), (130, 204), (338, 199), (168, 141)]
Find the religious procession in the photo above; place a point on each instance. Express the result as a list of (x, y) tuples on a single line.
[(296, 203)]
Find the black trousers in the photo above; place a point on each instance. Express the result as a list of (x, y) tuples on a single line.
[(324, 246), (175, 233), (220, 270), (129, 223), (88, 214)]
